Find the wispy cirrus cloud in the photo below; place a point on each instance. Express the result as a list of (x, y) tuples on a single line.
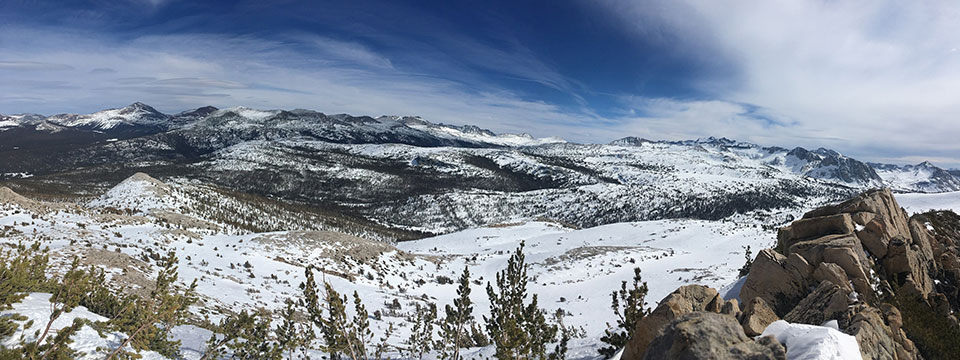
[(177, 72), (33, 66)]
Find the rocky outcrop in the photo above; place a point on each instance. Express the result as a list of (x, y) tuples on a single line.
[(756, 316), (777, 279), (843, 253), (706, 335), (878, 339), (805, 229), (828, 302), (834, 264), (686, 299)]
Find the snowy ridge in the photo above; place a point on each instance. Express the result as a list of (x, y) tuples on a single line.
[(473, 133), (923, 177), (140, 193), (207, 129), (822, 164), (136, 114), (586, 185)]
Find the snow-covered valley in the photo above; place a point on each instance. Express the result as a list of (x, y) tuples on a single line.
[(571, 269)]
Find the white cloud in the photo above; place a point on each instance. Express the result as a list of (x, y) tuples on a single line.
[(348, 51), (866, 72)]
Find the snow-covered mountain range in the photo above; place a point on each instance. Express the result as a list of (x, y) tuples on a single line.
[(275, 123), (923, 177), (393, 208), (420, 178)]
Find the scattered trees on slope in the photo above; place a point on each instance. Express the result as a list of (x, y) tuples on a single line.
[(148, 321), (517, 326)]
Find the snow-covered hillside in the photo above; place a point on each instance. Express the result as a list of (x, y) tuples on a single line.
[(238, 267), (572, 269), (442, 189), (919, 203)]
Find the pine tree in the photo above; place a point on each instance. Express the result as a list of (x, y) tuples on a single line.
[(246, 336), (566, 333), (56, 348), (518, 330), (748, 254), (383, 345), (454, 328), (633, 305), (342, 336), (291, 334), (478, 337), (151, 319), (420, 341), (362, 334), (69, 291), (22, 271)]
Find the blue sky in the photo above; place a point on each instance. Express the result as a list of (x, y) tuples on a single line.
[(872, 79)]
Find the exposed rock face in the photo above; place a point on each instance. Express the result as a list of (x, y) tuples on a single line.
[(756, 316), (684, 300), (731, 307), (833, 264), (805, 229), (878, 340), (778, 281), (828, 302), (833, 273), (706, 335)]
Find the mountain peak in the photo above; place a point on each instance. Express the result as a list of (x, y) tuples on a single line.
[(630, 141), (140, 105), (137, 108)]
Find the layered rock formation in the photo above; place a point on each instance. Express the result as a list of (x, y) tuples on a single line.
[(838, 263)]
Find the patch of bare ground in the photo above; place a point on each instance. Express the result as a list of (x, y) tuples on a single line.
[(587, 252), (184, 221), (131, 275), (333, 245)]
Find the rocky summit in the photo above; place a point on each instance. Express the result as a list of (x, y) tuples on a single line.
[(862, 266)]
